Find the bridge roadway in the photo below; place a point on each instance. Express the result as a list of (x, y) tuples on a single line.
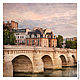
[(36, 59)]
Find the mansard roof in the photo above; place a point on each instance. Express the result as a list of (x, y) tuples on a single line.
[(19, 30)]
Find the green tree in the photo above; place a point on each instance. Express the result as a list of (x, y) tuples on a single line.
[(12, 38), (8, 37), (71, 44), (59, 41), (5, 27)]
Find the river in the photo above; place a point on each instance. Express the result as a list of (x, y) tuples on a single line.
[(64, 72)]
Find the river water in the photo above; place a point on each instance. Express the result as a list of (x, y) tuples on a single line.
[(64, 72)]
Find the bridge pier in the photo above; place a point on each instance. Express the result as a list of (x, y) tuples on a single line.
[(37, 63), (57, 61), (70, 60), (7, 65), (8, 69)]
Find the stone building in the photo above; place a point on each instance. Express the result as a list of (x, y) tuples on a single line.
[(14, 25), (40, 37), (11, 25)]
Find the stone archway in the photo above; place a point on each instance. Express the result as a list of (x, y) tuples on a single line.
[(63, 60), (22, 63), (47, 62)]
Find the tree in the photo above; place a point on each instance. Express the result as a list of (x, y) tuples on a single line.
[(59, 41), (12, 38), (8, 37), (71, 44)]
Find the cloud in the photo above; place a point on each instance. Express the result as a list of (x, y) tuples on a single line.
[(62, 17)]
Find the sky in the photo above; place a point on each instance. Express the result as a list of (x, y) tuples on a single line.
[(61, 18)]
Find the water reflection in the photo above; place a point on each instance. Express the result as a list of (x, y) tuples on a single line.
[(64, 72)]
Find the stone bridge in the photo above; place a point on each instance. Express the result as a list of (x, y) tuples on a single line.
[(36, 59)]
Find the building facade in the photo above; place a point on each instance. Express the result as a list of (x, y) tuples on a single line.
[(14, 25), (11, 25), (20, 35), (40, 37)]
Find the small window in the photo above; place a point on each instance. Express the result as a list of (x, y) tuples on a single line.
[(18, 36), (27, 42), (38, 42), (32, 42), (54, 37)]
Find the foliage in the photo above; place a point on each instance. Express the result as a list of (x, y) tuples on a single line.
[(12, 38), (71, 44), (59, 41), (6, 27), (8, 37)]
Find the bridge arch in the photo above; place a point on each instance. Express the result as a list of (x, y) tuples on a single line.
[(22, 63), (47, 62), (63, 60)]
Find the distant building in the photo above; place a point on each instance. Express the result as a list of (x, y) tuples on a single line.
[(14, 25), (68, 39), (20, 35), (71, 39), (11, 25), (40, 37)]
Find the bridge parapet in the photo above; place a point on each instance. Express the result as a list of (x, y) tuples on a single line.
[(65, 50), (23, 47), (72, 50)]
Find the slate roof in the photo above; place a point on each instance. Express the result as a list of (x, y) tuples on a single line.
[(19, 30)]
